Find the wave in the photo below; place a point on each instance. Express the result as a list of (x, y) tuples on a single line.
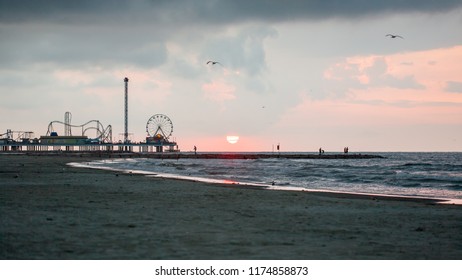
[(436, 176), (411, 164)]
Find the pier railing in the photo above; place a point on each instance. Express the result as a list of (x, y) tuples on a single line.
[(100, 147)]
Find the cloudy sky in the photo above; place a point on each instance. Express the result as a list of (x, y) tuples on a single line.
[(305, 74)]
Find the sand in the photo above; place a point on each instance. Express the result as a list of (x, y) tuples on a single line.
[(52, 211)]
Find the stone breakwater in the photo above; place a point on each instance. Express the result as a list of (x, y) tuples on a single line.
[(263, 156), (203, 155)]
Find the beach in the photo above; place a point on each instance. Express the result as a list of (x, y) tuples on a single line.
[(50, 210)]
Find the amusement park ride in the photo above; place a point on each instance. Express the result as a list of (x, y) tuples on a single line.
[(17, 136), (102, 135), (159, 129), (92, 136)]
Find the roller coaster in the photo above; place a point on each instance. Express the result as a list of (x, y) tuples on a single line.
[(103, 135)]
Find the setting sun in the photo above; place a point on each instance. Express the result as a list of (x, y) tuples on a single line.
[(232, 139)]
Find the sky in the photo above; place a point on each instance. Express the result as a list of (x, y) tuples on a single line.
[(301, 74)]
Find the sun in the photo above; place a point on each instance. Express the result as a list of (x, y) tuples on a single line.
[(232, 139)]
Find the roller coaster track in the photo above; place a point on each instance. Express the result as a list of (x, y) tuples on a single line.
[(104, 135)]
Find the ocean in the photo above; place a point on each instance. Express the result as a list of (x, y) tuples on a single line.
[(422, 175)]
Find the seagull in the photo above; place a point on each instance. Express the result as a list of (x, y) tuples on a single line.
[(213, 62), (392, 36)]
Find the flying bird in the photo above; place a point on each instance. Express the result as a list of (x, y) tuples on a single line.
[(213, 62), (392, 36)]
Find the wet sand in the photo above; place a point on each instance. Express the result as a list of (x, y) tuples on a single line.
[(53, 211)]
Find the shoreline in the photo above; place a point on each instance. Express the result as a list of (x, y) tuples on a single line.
[(269, 187), (53, 211)]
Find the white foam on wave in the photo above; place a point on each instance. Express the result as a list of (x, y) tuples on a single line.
[(372, 195)]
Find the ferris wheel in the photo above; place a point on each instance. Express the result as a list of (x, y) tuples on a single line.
[(159, 126)]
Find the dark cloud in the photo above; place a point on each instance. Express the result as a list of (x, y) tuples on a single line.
[(56, 10), (209, 11), (275, 10), (136, 32), (243, 51), (74, 46)]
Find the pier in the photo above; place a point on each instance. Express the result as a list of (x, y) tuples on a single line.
[(97, 148)]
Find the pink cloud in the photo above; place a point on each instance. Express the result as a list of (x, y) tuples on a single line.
[(369, 72), (374, 112), (218, 91), (429, 72)]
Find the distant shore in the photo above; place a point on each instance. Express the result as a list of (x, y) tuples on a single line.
[(53, 211)]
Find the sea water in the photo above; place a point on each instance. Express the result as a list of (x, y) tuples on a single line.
[(429, 175)]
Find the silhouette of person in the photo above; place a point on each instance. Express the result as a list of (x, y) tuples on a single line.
[(195, 150)]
